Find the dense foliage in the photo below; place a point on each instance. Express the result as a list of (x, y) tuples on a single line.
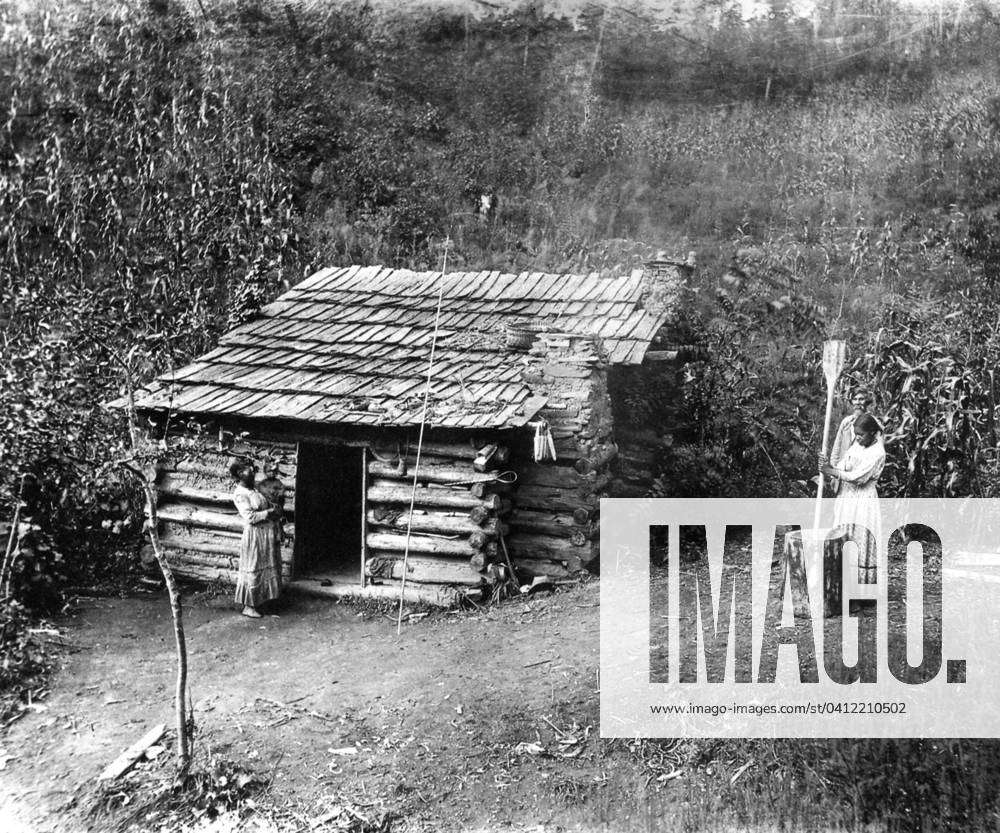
[(165, 169), (25, 659), (139, 209)]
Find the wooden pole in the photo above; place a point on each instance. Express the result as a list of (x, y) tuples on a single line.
[(826, 446), (183, 719), (436, 522), (834, 354), (424, 544), (457, 451), (364, 512), (420, 437), (432, 473), (480, 514), (424, 569), (385, 491)]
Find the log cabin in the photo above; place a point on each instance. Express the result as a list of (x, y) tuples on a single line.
[(328, 381)]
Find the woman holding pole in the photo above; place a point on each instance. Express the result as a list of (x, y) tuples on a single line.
[(860, 402), (856, 507)]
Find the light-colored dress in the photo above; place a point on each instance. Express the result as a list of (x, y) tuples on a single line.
[(260, 549), (857, 504)]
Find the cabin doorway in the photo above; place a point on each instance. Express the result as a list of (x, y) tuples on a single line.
[(328, 512)]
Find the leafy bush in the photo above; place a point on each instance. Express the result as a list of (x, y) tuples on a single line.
[(140, 210), (24, 659), (38, 570), (163, 173)]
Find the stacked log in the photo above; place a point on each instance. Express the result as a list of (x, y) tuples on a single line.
[(455, 524), (198, 524), (637, 460), (555, 523)]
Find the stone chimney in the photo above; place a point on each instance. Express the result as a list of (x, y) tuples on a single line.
[(663, 278)]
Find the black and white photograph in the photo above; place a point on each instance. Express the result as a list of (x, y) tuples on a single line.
[(330, 329)]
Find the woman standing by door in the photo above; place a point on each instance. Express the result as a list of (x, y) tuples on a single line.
[(259, 578)]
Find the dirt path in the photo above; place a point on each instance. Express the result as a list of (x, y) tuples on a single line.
[(484, 721), (436, 715)]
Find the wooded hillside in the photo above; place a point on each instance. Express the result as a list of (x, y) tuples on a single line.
[(166, 168)]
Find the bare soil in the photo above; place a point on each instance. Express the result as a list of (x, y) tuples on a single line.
[(469, 721), (435, 715)]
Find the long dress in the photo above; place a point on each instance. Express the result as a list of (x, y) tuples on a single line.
[(260, 549), (856, 508)]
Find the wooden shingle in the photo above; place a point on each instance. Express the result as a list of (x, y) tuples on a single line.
[(351, 345)]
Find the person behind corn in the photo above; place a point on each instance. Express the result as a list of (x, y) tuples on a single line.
[(856, 508), (860, 401)]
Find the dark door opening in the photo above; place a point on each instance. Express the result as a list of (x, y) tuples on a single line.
[(328, 511)]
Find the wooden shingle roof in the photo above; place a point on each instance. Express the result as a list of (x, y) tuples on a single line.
[(351, 346)]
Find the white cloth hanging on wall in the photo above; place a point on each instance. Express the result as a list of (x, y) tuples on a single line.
[(545, 447)]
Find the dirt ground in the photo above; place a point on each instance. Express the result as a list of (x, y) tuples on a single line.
[(474, 721), (435, 715)]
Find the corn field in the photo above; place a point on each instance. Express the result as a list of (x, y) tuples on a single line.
[(165, 170)]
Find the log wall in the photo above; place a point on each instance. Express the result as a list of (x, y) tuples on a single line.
[(636, 467), (555, 521), (455, 524), (198, 523), (465, 523)]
